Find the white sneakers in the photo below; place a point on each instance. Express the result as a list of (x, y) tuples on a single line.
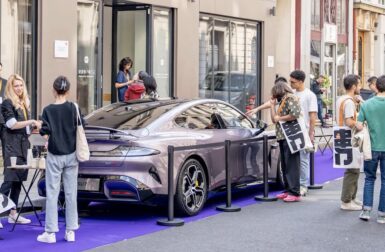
[(69, 236), (47, 237), (51, 237), (20, 220), (351, 206)]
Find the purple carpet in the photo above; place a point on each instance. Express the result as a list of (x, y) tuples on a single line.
[(119, 222)]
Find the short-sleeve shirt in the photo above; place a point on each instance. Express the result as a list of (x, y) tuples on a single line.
[(121, 78), (349, 108), (373, 111), (308, 102), (292, 107)]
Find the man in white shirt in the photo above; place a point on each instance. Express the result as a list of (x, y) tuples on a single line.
[(309, 107)]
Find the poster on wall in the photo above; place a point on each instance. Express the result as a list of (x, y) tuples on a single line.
[(61, 48), (344, 155)]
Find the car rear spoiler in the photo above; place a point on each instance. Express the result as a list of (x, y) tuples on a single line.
[(113, 133)]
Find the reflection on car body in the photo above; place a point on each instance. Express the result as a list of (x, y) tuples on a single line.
[(128, 144)]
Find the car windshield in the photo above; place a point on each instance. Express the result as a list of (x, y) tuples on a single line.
[(128, 117)]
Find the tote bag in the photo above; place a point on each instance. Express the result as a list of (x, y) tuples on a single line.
[(344, 154), (82, 150), (296, 133)]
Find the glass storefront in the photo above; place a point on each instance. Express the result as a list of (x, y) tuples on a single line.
[(142, 32), (18, 41), (88, 19), (228, 61)]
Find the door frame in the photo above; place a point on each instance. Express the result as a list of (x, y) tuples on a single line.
[(114, 68)]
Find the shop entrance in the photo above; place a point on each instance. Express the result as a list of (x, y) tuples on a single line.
[(109, 30)]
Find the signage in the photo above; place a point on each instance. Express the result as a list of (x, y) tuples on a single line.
[(330, 33), (61, 48)]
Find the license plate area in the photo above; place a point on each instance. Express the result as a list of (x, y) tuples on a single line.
[(89, 184)]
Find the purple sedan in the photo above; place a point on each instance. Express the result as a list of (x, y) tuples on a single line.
[(128, 144)]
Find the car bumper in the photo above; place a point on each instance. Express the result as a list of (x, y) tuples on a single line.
[(106, 188)]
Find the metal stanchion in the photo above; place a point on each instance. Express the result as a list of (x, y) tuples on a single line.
[(312, 185), (228, 207), (170, 221), (265, 174)]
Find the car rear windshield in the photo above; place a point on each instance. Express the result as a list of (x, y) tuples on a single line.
[(128, 117)]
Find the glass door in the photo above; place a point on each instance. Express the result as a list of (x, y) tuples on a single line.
[(130, 39)]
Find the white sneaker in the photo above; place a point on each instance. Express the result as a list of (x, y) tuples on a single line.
[(350, 206), (303, 190), (47, 237), (69, 236), (20, 220), (357, 202)]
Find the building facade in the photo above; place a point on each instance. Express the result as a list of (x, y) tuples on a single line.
[(194, 48), (323, 42), (369, 41)]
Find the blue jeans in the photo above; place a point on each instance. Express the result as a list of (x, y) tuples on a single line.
[(370, 168), (319, 103)]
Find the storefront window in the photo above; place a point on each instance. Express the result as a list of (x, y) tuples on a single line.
[(17, 30), (341, 16), (315, 14), (228, 61), (88, 18), (315, 59), (162, 50), (341, 68)]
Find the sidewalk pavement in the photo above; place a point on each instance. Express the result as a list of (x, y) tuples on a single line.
[(314, 224)]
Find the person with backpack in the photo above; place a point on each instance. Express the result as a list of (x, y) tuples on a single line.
[(137, 89), (346, 115)]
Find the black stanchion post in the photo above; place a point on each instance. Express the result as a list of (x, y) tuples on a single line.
[(170, 221), (228, 207), (312, 185), (265, 174)]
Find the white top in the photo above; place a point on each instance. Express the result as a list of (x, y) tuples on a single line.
[(308, 101), (349, 109)]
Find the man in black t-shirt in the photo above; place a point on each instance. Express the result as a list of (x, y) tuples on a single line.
[(318, 91)]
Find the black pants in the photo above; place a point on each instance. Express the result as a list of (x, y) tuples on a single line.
[(11, 189), (291, 168)]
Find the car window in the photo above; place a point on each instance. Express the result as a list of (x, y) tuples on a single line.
[(201, 116), (128, 117), (232, 118)]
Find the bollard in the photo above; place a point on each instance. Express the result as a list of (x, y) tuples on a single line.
[(228, 207), (170, 221), (312, 185), (265, 174)]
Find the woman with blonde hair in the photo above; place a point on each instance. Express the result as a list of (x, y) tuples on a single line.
[(16, 112)]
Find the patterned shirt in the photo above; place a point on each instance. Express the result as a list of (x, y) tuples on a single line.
[(292, 107)]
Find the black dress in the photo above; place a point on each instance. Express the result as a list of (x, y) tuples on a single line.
[(16, 142)]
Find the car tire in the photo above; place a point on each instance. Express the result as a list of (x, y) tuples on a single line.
[(191, 189)]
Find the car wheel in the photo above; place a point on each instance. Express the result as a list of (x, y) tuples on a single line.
[(191, 190)]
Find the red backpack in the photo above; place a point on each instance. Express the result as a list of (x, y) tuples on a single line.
[(134, 91)]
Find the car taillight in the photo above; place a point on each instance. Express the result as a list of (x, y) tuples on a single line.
[(125, 151)]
